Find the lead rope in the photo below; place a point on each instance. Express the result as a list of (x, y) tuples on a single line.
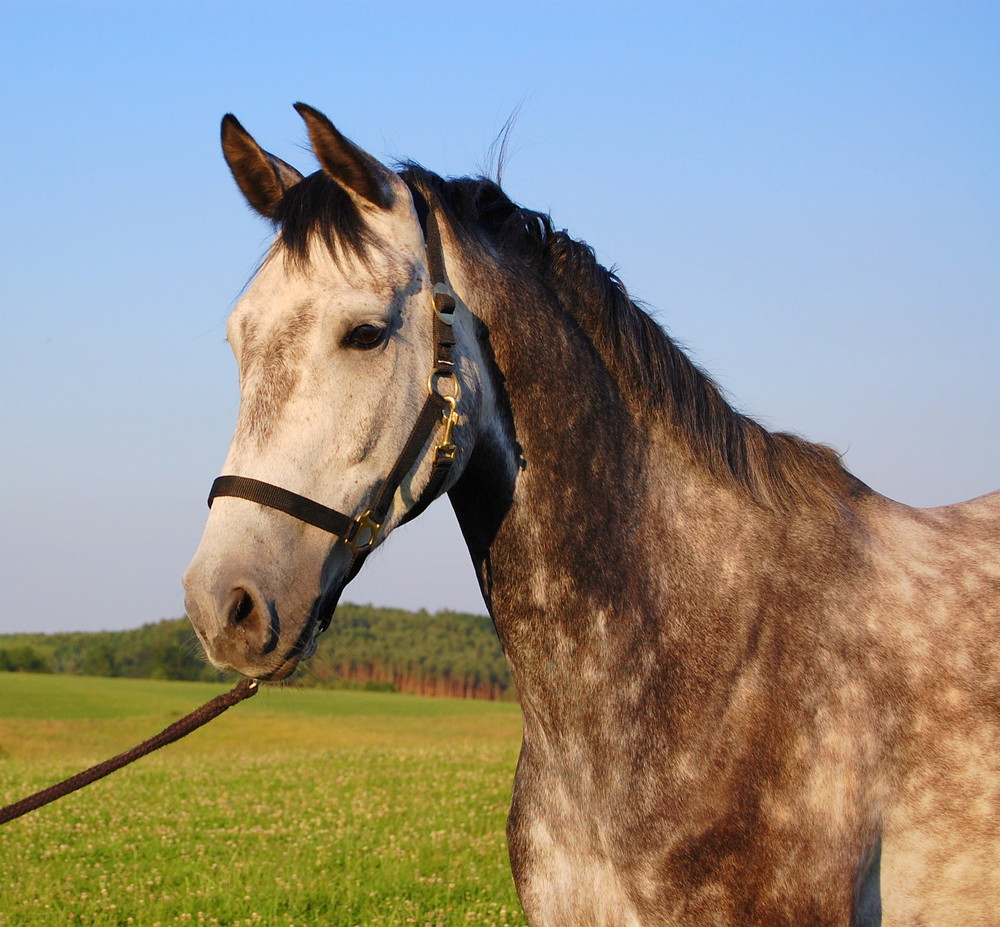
[(244, 689), (367, 526)]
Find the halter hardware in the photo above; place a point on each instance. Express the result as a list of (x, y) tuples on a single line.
[(444, 303), (446, 450), (363, 533), (449, 416)]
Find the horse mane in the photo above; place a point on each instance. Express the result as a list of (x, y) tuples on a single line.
[(776, 469)]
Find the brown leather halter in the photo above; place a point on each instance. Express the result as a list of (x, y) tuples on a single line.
[(362, 532)]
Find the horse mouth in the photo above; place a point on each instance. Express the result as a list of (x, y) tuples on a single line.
[(301, 650), (305, 645)]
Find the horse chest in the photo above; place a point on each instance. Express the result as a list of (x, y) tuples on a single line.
[(562, 853)]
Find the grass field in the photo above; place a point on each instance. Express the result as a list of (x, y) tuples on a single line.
[(317, 808)]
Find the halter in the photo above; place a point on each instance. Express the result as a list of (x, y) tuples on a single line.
[(362, 532)]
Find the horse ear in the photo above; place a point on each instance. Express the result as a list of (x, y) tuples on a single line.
[(261, 176), (345, 162)]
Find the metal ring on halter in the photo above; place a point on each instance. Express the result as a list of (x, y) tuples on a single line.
[(450, 374), (364, 533)]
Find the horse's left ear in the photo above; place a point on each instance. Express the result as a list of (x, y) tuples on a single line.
[(345, 162)]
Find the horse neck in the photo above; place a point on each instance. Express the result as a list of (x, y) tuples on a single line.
[(616, 542)]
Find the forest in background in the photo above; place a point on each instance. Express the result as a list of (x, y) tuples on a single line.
[(446, 654)]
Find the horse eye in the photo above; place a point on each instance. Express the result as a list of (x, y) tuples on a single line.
[(366, 336)]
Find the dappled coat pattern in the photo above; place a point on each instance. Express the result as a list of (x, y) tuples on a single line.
[(755, 692)]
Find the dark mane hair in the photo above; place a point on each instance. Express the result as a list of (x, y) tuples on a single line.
[(776, 469), (318, 207)]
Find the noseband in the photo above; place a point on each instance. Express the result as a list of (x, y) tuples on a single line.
[(361, 533)]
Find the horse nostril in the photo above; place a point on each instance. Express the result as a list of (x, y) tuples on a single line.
[(243, 608)]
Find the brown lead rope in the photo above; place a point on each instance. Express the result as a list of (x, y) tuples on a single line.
[(244, 689)]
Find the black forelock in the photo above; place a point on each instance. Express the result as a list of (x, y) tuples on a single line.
[(319, 207)]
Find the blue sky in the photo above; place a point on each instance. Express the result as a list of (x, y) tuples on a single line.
[(806, 194)]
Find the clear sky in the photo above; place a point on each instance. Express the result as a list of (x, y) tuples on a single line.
[(806, 194)]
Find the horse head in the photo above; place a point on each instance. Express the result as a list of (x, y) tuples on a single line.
[(340, 350)]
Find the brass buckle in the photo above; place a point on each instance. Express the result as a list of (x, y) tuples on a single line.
[(363, 533), (449, 417), (446, 450)]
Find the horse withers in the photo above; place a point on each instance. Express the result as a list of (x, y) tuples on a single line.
[(754, 691)]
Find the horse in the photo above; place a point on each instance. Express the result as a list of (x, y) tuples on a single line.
[(754, 691)]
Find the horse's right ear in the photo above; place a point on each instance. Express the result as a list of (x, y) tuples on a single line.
[(261, 176)]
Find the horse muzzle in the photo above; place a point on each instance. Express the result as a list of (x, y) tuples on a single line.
[(238, 628), (259, 622)]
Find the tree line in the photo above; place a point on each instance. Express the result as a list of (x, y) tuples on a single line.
[(444, 653)]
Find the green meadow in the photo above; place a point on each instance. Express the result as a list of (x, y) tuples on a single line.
[(298, 808)]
